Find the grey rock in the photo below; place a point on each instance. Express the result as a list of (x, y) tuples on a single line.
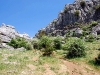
[(86, 14), (7, 32), (78, 32), (96, 30), (4, 45), (21, 49)]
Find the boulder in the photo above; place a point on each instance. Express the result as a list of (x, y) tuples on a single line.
[(4, 45), (21, 49), (96, 30), (78, 32)]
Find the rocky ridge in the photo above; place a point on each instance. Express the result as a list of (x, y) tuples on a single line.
[(7, 32), (80, 12)]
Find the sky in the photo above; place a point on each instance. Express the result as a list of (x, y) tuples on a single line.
[(29, 16)]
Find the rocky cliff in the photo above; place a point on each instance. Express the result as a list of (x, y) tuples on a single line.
[(80, 12)]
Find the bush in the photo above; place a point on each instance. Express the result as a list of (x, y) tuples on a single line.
[(97, 7), (94, 23), (68, 34), (76, 13), (76, 23), (19, 42), (65, 10), (13, 43), (74, 34), (84, 33), (41, 33), (35, 44), (90, 38), (97, 60), (47, 45), (28, 46), (57, 43), (76, 49), (69, 41), (83, 4)]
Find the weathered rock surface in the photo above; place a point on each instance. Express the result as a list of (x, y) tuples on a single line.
[(7, 32), (71, 14), (4, 45), (96, 30)]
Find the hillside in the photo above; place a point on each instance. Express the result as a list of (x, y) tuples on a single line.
[(81, 12), (69, 45), (15, 62)]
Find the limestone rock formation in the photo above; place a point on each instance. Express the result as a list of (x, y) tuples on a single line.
[(96, 30), (81, 11), (7, 32)]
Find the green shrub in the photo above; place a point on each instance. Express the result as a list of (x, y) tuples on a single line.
[(94, 23), (69, 41), (82, 3), (57, 43), (28, 46), (13, 43), (90, 38), (47, 45), (41, 33), (68, 34), (74, 34), (35, 43), (20, 42), (76, 49), (97, 7), (97, 60), (84, 33), (65, 10), (76, 13), (76, 23)]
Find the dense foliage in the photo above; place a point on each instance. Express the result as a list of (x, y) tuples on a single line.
[(77, 13), (90, 38), (20, 42), (35, 44), (82, 3), (76, 49), (46, 44), (97, 60), (57, 43)]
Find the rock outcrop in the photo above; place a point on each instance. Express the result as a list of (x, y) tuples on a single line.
[(96, 30), (81, 11), (7, 32)]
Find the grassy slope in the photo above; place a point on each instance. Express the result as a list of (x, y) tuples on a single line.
[(32, 63)]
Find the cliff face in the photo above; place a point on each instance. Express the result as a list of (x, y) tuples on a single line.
[(81, 11)]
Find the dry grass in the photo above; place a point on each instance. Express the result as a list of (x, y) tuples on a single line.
[(32, 63)]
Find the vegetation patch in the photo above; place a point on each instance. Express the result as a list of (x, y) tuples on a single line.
[(57, 43), (76, 13), (46, 44), (76, 49), (90, 38), (97, 7), (20, 42), (82, 3), (97, 60)]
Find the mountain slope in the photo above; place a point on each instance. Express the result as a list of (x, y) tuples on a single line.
[(80, 12)]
